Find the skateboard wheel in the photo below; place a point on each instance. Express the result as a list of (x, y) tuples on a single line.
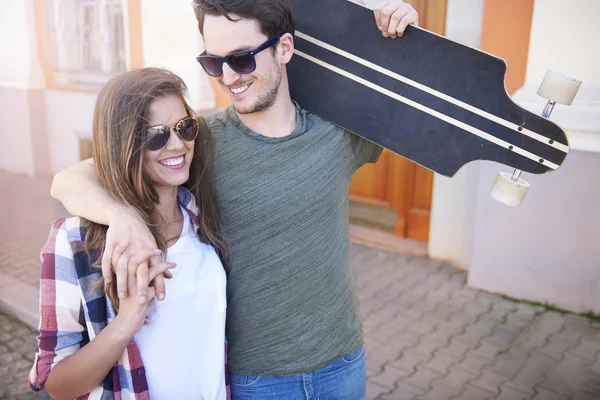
[(508, 191), (559, 88)]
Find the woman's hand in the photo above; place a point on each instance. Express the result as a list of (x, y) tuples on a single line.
[(132, 312)]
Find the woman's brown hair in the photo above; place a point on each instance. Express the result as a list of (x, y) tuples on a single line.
[(119, 135)]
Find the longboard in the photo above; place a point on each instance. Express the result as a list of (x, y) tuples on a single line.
[(436, 102)]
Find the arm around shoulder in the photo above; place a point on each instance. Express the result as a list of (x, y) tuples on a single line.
[(79, 189)]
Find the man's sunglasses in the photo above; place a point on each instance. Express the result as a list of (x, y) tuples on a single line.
[(242, 62), (158, 136)]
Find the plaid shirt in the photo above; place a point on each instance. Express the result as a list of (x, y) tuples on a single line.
[(72, 314)]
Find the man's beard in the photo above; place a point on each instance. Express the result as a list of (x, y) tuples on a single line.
[(266, 99)]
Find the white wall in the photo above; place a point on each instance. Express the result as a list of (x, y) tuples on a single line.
[(19, 64), (20, 73), (575, 52), (548, 249), (564, 37), (171, 40), (69, 117), (453, 199)]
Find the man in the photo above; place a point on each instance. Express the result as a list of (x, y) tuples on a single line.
[(282, 177)]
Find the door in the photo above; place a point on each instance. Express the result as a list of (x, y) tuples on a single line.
[(394, 195)]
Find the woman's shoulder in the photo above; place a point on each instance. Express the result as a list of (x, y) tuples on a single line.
[(67, 231)]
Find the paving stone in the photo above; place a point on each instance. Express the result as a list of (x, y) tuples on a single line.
[(383, 354), (489, 381), (572, 374), (426, 346), (587, 381), (568, 367), (532, 373), (473, 363), (510, 363), (490, 350), (419, 309), (442, 335), (423, 327), (476, 393), (389, 376), (456, 378), (403, 340), (404, 391), (456, 348), (439, 392), (441, 362), (442, 313), (577, 326), (507, 393), (557, 347), (409, 361), (422, 378), (402, 321), (544, 394), (460, 321), (585, 396), (472, 335), (374, 390), (383, 332), (504, 336), (587, 349)]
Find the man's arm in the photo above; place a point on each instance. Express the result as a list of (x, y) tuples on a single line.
[(79, 190)]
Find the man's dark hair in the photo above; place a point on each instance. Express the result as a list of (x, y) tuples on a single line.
[(274, 16)]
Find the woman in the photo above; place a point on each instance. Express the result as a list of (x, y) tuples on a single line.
[(150, 152)]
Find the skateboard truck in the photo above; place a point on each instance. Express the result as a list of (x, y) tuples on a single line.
[(510, 189)]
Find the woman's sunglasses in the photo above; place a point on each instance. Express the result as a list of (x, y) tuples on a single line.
[(242, 62), (158, 136)]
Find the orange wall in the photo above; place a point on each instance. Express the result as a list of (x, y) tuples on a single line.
[(136, 54), (505, 33)]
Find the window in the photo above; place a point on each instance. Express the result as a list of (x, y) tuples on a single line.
[(87, 41)]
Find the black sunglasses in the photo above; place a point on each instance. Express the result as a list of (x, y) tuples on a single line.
[(158, 136), (242, 62)]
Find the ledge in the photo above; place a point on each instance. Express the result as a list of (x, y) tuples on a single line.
[(581, 120)]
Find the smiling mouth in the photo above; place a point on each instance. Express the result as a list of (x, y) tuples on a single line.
[(239, 89), (174, 162)]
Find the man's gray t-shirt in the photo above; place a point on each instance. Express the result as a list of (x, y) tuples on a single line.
[(283, 203)]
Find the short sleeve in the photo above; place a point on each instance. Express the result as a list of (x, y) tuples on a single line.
[(61, 332), (364, 150)]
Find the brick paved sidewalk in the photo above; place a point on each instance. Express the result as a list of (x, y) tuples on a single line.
[(17, 347), (27, 212), (428, 335)]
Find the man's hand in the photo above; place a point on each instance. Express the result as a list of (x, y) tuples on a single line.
[(127, 235), (393, 16)]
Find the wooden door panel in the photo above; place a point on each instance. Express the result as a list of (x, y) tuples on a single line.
[(370, 182), (394, 186)]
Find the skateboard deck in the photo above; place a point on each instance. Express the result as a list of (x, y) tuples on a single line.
[(434, 101)]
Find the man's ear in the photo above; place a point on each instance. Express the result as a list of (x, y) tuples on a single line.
[(286, 48)]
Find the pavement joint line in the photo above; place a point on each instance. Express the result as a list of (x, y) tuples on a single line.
[(544, 344), (464, 356)]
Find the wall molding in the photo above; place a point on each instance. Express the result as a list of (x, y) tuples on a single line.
[(581, 120)]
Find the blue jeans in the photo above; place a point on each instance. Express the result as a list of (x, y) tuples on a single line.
[(343, 379)]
